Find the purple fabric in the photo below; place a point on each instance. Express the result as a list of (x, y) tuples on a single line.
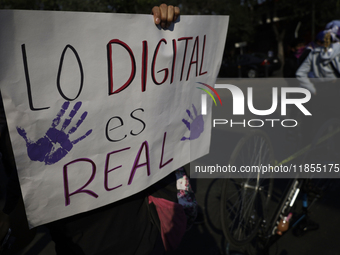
[(299, 52)]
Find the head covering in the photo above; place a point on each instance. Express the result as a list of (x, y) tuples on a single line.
[(333, 28), (320, 36), (332, 24)]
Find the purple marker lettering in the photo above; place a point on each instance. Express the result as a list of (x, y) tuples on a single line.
[(136, 165), (107, 171), (161, 165), (80, 190)]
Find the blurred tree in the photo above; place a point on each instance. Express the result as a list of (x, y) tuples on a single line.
[(245, 21), (131, 6), (19, 4), (241, 12), (311, 15), (241, 24)]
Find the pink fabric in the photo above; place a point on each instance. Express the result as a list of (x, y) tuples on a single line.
[(173, 221)]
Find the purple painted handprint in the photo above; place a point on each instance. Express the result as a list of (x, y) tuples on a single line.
[(196, 127), (56, 143)]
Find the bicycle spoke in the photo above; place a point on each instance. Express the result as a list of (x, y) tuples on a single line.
[(243, 199)]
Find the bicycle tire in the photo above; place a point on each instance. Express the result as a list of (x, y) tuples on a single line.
[(241, 224)]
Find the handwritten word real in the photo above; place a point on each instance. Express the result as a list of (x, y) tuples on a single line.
[(109, 172)]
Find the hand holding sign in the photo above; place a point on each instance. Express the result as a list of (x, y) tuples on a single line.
[(164, 15), (56, 143)]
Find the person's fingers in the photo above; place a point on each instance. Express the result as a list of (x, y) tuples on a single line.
[(170, 15), (164, 13), (156, 12), (177, 13)]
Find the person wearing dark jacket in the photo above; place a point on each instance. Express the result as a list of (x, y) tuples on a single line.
[(294, 58), (129, 226)]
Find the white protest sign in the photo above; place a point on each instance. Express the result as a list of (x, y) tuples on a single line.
[(101, 106)]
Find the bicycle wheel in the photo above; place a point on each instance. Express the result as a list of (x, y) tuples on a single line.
[(244, 200)]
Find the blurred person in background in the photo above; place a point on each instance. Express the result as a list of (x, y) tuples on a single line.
[(323, 60), (294, 57), (319, 74)]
